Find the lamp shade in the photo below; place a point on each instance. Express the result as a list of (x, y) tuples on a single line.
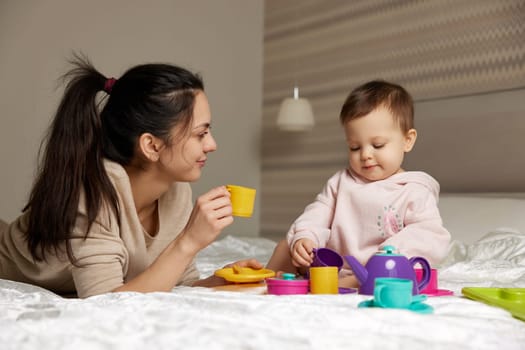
[(295, 114)]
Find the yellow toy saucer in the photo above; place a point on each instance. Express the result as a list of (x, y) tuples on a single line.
[(244, 274)]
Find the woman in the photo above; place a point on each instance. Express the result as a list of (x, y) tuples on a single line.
[(111, 208)]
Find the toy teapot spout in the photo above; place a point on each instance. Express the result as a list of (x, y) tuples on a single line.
[(359, 270)]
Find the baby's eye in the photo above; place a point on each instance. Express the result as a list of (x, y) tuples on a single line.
[(379, 146), (355, 148)]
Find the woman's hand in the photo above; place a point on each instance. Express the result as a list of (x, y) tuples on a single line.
[(253, 263), (214, 281), (302, 252), (211, 213)]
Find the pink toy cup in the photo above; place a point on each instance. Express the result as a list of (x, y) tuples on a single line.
[(432, 288), (432, 285)]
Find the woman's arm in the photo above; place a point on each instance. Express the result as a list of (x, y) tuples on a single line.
[(164, 273), (210, 215)]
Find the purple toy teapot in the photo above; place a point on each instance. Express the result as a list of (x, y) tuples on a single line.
[(388, 264)]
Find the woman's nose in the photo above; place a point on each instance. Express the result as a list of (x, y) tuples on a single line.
[(210, 144)]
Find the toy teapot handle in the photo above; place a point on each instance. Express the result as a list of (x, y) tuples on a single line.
[(426, 271)]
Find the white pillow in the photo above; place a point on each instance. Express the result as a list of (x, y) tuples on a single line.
[(470, 216)]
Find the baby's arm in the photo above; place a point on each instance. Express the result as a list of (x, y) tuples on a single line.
[(313, 225), (315, 222)]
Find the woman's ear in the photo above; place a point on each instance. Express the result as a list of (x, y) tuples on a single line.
[(410, 139), (150, 146)]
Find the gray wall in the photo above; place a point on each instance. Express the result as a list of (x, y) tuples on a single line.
[(463, 65), (220, 39)]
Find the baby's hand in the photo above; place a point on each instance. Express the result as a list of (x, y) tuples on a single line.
[(302, 252)]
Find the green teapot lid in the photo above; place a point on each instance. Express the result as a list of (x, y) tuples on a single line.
[(389, 250), (288, 276)]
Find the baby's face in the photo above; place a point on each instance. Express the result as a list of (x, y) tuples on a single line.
[(377, 145)]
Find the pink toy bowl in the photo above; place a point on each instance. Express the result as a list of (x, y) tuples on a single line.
[(279, 286)]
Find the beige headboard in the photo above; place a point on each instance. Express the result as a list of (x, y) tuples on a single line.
[(474, 143)]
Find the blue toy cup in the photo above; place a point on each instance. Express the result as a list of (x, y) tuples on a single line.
[(395, 293)]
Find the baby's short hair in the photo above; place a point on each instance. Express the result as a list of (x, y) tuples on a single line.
[(379, 93)]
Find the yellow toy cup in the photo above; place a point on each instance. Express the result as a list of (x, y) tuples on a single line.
[(324, 280), (242, 199)]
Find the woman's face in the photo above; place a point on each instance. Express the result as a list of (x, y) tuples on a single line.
[(185, 159)]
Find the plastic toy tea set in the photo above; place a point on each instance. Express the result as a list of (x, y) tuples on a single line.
[(392, 279)]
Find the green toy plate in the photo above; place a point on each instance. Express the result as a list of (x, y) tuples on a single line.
[(510, 299)]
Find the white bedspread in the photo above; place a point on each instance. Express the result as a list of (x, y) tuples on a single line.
[(200, 318)]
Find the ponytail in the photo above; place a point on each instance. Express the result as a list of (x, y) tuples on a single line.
[(71, 162), (148, 98)]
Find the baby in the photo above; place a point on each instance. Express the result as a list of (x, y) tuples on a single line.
[(374, 202)]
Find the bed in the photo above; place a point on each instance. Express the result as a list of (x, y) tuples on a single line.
[(246, 317)]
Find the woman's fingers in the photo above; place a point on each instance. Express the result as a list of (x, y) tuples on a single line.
[(215, 193), (253, 263), (215, 203), (210, 215)]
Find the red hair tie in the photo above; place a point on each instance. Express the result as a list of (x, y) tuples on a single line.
[(108, 85)]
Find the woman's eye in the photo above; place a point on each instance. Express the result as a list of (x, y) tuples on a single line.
[(202, 134)]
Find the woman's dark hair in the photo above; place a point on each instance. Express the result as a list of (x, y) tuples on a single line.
[(148, 98), (369, 96)]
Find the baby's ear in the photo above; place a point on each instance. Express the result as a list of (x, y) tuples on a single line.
[(410, 139)]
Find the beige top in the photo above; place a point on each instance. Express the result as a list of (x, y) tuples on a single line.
[(111, 254)]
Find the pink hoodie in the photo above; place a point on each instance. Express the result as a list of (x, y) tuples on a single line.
[(357, 218)]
